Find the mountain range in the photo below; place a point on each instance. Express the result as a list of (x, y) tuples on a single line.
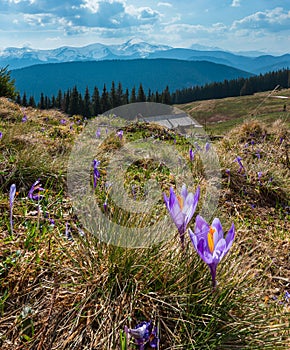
[(135, 49)]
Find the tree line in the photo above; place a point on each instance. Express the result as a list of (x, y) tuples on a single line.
[(234, 87), (73, 102), (88, 105)]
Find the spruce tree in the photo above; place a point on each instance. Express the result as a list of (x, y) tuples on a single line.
[(105, 103), (87, 104), (31, 102), (74, 102), (119, 95), (165, 97), (7, 87), (141, 97), (24, 100), (18, 98), (125, 99), (133, 95), (41, 101), (113, 96), (58, 100), (96, 108)]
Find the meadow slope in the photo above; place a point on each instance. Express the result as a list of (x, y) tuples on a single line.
[(62, 288)]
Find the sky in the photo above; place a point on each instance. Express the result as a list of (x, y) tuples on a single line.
[(233, 25)]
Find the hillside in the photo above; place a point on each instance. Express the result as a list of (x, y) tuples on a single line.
[(220, 115), (64, 286), (153, 74)]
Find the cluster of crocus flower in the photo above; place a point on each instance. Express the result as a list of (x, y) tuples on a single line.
[(208, 240), (144, 334)]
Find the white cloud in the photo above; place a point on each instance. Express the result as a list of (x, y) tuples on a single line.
[(236, 3), (92, 5), (268, 20), (167, 4), (189, 29)]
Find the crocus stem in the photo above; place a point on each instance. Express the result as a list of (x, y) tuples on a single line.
[(213, 275), (11, 221)]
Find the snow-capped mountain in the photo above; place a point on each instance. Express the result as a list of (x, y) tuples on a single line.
[(136, 48), (26, 56)]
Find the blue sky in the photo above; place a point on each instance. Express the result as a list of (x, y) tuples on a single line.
[(235, 25)]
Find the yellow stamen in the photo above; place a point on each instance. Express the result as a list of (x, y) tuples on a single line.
[(210, 239), (180, 201)]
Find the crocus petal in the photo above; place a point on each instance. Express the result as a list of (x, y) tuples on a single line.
[(174, 209), (200, 246), (207, 255), (177, 216), (191, 202), (230, 237), (35, 187), (219, 251), (201, 226), (12, 194), (138, 333), (183, 191), (216, 224), (172, 198)]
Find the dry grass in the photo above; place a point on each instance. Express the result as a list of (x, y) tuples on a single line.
[(62, 294)]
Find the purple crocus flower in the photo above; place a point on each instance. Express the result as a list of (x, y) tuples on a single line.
[(24, 119), (144, 334), (181, 208), (96, 172), (191, 154), (120, 134), (62, 121), (258, 154), (197, 146), (207, 146), (98, 133), (36, 187), (12, 194), (210, 244), (1, 135), (259, 176), (239, 160)]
